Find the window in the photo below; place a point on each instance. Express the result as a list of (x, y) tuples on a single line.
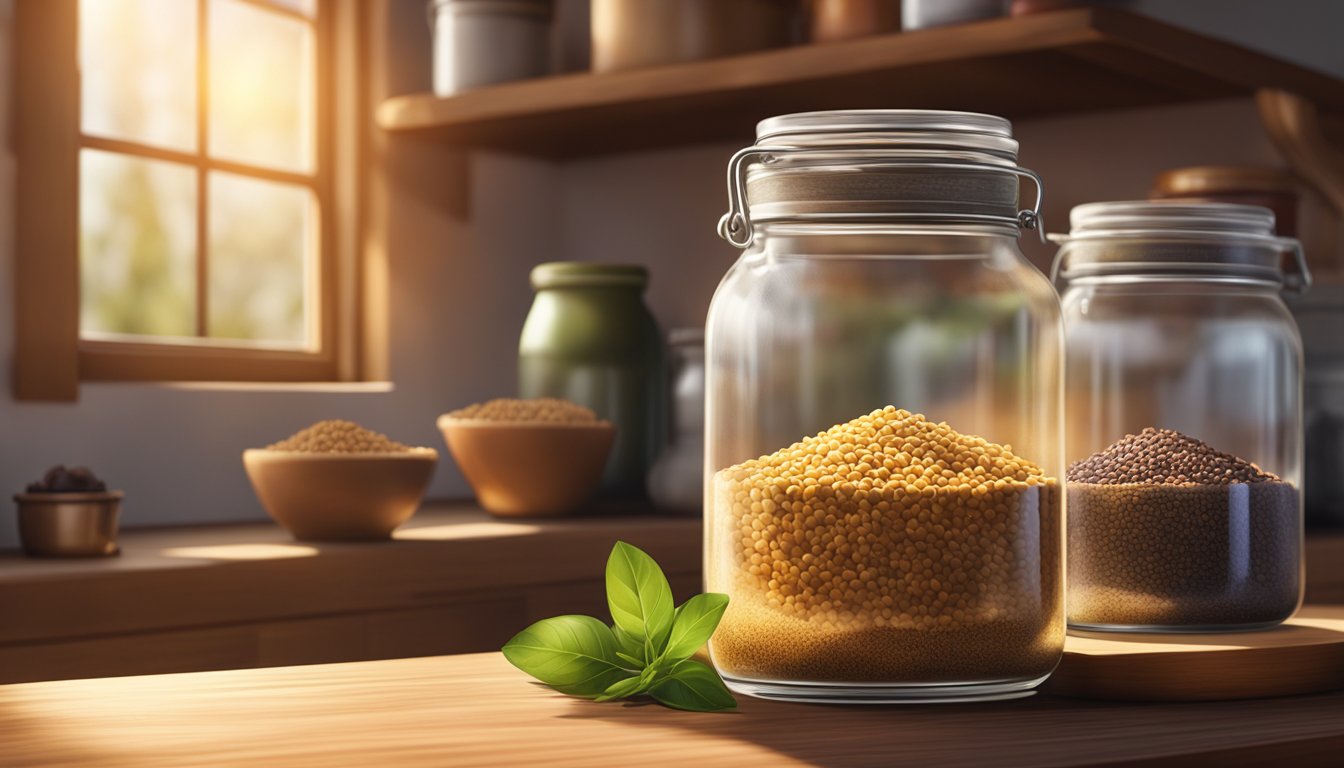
[(198, 240)]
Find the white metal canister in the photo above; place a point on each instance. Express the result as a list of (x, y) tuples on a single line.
[(480, 42)]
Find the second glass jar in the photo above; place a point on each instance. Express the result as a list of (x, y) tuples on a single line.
[(1184, 402), (883, 438)]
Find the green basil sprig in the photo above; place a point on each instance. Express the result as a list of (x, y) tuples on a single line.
[(646, 651)]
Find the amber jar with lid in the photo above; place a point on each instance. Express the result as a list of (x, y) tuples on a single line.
[(1237, 184)]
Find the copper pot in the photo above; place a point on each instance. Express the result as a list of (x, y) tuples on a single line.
[(627, 34), (836, 20), (69, 524), (1244, 184)]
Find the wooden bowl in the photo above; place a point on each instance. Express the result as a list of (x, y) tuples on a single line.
[(529, 469), (340, 496)]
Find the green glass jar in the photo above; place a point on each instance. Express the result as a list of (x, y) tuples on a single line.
[(590, 339)]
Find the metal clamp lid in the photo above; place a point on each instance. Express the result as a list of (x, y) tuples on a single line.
[(1297, 280), (735, 226), (1215, 240)]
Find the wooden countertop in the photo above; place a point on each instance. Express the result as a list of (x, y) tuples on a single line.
[(476, 710)]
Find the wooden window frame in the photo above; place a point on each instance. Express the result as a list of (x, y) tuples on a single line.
[(50, 357)]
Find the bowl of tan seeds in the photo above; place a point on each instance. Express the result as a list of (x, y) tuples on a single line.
[(888, 549), (337, 481), (529, 458)]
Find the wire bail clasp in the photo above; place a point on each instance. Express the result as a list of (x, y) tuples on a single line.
[(735, 226)]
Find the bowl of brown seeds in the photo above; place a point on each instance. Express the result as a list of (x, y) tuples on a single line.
[(529, 458), (337, 481)]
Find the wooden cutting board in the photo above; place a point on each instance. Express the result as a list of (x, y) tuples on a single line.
[(1303, 655)]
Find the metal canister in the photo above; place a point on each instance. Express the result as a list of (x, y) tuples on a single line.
[(69, 524)]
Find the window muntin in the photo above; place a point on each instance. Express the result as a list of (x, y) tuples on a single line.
[(242, 127)]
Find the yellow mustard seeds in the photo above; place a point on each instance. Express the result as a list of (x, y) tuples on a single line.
[(541, 409), (339, 436), (887, 548)]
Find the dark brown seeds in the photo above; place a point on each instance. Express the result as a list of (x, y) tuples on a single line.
[(1166, 531), (1164, 457)]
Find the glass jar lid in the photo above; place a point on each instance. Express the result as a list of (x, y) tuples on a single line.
[(870, 166), (933, 129), (1215, 240)]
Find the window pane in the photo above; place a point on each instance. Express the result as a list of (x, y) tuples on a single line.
[(306, 7), (262, 93), (137, 245), (138, 70), (261, 260)]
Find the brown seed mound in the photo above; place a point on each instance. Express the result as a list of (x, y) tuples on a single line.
[(1183, 555), (338, 436), (1164, 457), (544, 409), (888, 548), (1165, 531)]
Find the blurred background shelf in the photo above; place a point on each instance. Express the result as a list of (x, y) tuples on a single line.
[(1045, 64)]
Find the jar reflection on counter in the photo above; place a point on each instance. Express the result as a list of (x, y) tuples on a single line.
[(590, 339)]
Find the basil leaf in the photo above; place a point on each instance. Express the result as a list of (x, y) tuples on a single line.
[(573, 654), (695, 621), (621, 689), (694, 687), (639, 597), (629, 645)]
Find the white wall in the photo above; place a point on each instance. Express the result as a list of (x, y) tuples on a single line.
[(460, 288), (1304, 31)]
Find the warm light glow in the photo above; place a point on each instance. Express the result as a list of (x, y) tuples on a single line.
[(235, 83), (1117, 644), (467, 531), (242, 552)]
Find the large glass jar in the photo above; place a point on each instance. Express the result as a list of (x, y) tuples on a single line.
[(1184, 413), (883, 440)]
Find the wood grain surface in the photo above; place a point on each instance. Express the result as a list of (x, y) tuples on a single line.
[(1304, 655), (1066, 61), (476, 710)]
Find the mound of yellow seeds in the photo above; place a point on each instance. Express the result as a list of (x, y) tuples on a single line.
[(339, 436), (544, 409), (888, 548)]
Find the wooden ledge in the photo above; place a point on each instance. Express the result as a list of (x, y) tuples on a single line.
[(453, 580)]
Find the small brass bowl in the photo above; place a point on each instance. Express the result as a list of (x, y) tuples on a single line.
[(69, 524)]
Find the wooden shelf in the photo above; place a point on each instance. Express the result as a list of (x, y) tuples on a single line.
[(1046, 64), (452, 580)]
